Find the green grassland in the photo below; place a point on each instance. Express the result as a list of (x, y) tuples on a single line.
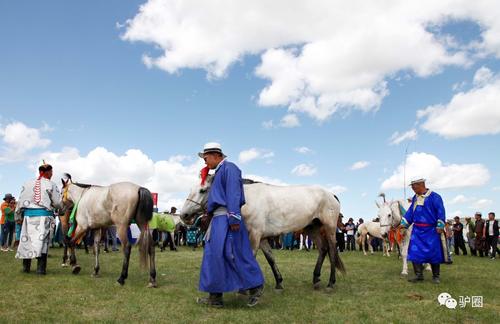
[(371, 292)]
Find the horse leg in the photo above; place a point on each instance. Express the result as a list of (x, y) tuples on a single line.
[(363, 243), (386, 247), (152, 265), (65, 255), (172, 242), (64, 229), (127, 247), (104, 235), (332, 250), (322, 251), (79, 233), (97, 248), (370, 246), (266, 249)]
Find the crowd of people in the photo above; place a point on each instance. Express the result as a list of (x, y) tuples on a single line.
[(228, 262)]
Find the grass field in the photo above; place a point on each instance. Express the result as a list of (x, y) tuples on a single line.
[(372, 291)]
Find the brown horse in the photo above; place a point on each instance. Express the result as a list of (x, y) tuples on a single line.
[(120, 204)]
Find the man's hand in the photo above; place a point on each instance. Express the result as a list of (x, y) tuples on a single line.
[(205, 222), (234, 227), (440, 230), (234, 222)]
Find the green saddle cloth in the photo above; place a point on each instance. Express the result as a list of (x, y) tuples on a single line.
[(162, 222)]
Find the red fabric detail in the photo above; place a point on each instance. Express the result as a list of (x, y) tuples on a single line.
[(204, 175), (423, 225)]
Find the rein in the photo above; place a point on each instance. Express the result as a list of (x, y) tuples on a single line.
[(197, 203), (72, 217)]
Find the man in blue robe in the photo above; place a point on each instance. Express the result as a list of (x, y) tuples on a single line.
[(427, 215), (228, 261)]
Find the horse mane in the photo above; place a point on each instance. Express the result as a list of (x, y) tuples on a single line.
[(84, 185), (249, 181)]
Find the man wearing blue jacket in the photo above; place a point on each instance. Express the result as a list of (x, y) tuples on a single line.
[(228, 261), (427, 214)]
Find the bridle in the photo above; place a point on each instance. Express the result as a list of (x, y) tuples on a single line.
[(199, 204)]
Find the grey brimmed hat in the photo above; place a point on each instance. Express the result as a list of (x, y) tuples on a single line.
[(211, 147)]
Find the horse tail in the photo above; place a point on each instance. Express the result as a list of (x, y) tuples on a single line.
[(338, 262), (143, 215)]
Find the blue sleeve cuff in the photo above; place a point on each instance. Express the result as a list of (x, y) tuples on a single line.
[(233, 218), (440, 224), (404, 223)]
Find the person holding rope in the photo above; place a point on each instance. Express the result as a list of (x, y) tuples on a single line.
[(37, 202), (427, 214), (228, 261)]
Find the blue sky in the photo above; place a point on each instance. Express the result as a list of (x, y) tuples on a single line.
[(74, 77)]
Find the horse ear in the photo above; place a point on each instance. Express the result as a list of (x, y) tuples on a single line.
[(377, 203)]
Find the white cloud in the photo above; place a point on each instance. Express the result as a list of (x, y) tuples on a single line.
[(20, 139), (304, 170), (303, 150), (481, 204), (438, 174), (496, 188), (476, 112), (337, 189), (288, 121), (455, 213), (482, 76), (459, 199), (397, 138), (268, 124), (253, 154), (314, 55), (360, 165), (172, 178)]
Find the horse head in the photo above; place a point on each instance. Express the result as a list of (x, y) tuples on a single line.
[(67, 202), (389, 214), (196, 202), (386, 218)]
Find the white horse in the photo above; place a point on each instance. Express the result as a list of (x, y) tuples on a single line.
[(390, 215), (370, 230), (120, 204), (273, 210)]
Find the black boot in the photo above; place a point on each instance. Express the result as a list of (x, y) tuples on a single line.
[(435, 273), (41, 268), (26, 265), (419, 272), (255, 294), (213, 300)]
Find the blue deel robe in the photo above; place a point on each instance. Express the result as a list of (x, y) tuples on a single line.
[(228, 261), (425, 242)]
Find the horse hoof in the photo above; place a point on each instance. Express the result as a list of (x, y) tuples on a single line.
[(329, 290), (152, 285), (76, 269), (120, 281), (317, 285), (64, 265), (278, 290), (95, 275)]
